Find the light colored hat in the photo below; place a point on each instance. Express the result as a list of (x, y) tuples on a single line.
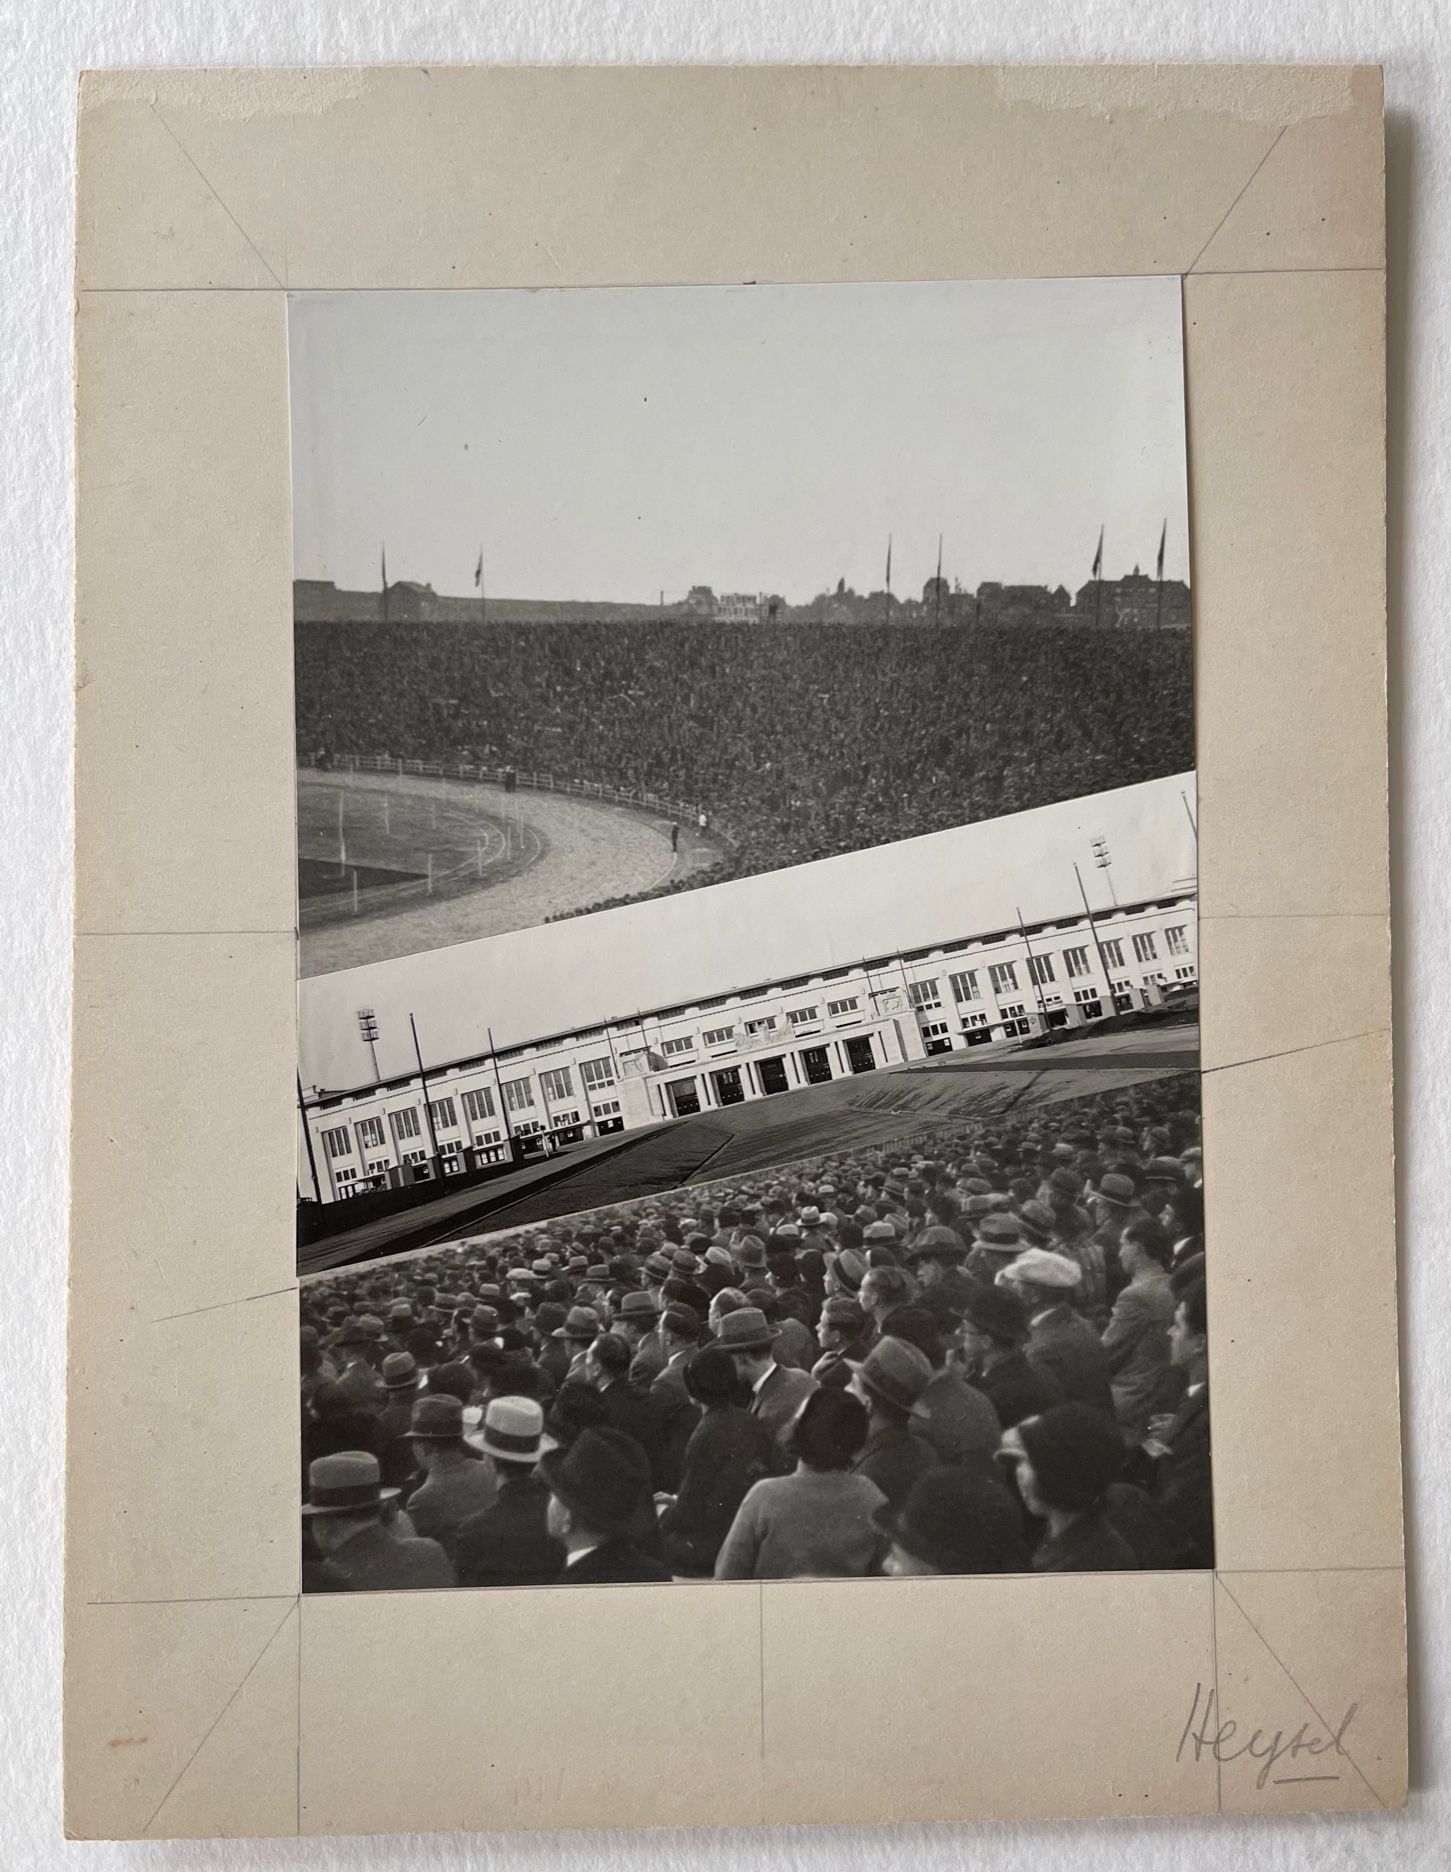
[(1042, 1268), (513, 1428), (810, 1216)]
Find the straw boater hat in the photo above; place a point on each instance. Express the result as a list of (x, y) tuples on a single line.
[(349, 1482), (513, 1429)]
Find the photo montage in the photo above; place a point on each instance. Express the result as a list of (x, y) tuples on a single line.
[(748, 1086)]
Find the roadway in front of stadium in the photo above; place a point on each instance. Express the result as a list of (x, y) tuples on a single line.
[(577, 852), (740, 1140)]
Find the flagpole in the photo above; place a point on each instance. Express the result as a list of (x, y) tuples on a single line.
[(483, 598), (1098, 581), (1159, 608), (937, 588), (385, 581), (887, 594)]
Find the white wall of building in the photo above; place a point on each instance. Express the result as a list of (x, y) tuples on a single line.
[(758, 1042)]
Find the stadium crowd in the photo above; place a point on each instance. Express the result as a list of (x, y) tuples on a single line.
[(979, 1350), (774, 730)]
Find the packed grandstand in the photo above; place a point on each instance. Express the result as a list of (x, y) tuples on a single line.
[(777, 731), (980, 1349)]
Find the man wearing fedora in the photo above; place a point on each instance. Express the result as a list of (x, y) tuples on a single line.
[(456, 1484), (636, 1319), (362, 1345), (955, 1418), (777, 1392), (509, 1543), (599, 1489), (360, 1552), (890, 1382), (953, 1521), (401, 1382)]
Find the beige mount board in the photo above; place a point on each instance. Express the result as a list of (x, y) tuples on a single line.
[(203, 1696)]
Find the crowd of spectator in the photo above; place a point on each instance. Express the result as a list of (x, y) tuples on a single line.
[(774, 730), (981, 1349)]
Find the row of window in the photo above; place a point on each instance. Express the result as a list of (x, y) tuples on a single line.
[(1003, 976)]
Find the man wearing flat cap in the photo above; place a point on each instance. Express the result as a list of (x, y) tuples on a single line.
[(1060, 1341)]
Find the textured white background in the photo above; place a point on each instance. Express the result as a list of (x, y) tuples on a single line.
[(44, 44)]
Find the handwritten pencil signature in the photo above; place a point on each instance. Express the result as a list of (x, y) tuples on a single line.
[(1205, 1733)]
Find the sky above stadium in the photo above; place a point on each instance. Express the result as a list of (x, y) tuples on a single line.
[(617, 443), (919, 892)]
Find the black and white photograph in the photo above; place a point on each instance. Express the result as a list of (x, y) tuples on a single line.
[(748, 1045)]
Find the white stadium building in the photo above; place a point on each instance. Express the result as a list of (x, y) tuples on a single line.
[(524, 1101)]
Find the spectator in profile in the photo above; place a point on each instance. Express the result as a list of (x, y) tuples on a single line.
[(599, 1491), (777, 1392), (842, 1332), (952, 1416), (1178, 1442), (1136, 1341), (1065, 1462), (954, 1521), (890, 1382), (995, 1326), (816, 1522)]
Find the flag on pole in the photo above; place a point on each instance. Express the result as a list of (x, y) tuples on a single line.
[(889, 562), (1098, 556), (479, 570), (1163, 536)]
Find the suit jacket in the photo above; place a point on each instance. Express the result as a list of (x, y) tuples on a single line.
[(617, 1562), (780, 1397), (1062, 1342), (378, 1560), (509, 1544), (1183, 1479), (1091, 1544), (1136, 1344), (649, 1360), (1017, 1388), (728, 1453), (636, 1411), (447, 1497)]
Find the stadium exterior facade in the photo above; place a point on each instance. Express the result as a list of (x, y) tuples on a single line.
[(528, 1100)]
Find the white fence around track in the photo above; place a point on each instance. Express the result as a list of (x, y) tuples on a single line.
[(533, 778)]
